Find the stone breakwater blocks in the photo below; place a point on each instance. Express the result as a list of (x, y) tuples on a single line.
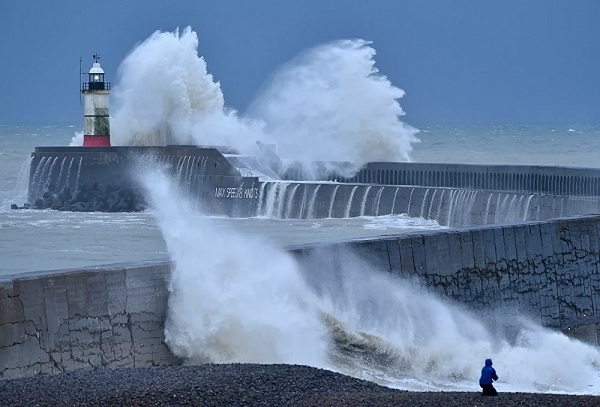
[(112, 317)]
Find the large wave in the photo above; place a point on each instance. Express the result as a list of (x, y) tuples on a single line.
[(237, 298), (252, 306), (166, 96), (329, 104), (332, 104)]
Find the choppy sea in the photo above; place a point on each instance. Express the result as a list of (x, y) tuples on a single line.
[(425, 343), (43, 240)]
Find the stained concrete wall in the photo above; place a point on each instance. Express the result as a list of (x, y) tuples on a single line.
[(114, 316), (548, 270), (62, 167), (212, 179), (97, 317)]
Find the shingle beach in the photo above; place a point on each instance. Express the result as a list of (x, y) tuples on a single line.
[(242, 385)]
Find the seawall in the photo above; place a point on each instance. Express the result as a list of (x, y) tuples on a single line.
[(515, 178), (114, 316), (84, 178), (452, 207), (90, 179)]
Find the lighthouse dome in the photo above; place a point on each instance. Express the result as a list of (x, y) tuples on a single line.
[(96, 79), (96, 68)]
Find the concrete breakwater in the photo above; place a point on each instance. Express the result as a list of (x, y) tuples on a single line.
[(96, 317), (227, 184), (114, 316), (248, 197), (106, 179), (452, 207), (68, 167), (513, 178)]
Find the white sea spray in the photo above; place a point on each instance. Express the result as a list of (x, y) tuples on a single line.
[(331, 104), (235, 297)]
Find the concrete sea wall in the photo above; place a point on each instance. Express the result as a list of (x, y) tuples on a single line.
[(97, 317), (106, 179), (84, 179), (448, 206), (114, 316), (548, 270), (514, 178)]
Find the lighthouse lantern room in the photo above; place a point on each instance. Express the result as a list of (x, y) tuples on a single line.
[(96, 120)]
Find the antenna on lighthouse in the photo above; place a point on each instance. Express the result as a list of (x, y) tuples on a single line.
[(80, 82)]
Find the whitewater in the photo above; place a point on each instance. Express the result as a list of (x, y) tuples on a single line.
[(236, 298), (236, 294)]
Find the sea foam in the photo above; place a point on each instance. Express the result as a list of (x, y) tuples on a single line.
[(234, 297), (330, 104)]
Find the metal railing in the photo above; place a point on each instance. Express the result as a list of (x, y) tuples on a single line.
[(89, 86)]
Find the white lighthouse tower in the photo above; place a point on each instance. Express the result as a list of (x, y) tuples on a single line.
[(96, 121)]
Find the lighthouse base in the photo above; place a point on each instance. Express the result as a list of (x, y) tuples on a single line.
[(96, 141)]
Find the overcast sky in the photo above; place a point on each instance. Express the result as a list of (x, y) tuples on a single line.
[(459, 61)]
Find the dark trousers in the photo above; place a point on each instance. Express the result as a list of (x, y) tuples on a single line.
[(489, 390)]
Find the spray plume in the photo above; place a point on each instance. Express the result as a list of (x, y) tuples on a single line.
[(236, 298), (233, 298), (166, 96), (329, 104), (403, 336)]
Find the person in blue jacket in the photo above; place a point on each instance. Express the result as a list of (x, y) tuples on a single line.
[(488, 375)]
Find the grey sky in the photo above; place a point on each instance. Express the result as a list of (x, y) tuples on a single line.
[(460, 61)]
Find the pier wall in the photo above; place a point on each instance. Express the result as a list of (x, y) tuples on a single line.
[(514, 178), (547, 270), (114, 316), (448, 206), (98, 317), (96, 179), (452, 194)]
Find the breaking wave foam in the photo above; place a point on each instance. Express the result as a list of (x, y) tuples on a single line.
[(251, 306), (166, 96), (329, 104), (333, 100), (236, 298)]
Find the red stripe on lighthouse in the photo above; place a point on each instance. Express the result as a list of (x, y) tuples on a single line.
[(96, 141)]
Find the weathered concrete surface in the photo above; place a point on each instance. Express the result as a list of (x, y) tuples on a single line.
[(101, 317), (114, 316), (75, 178), (548, 270), (80, 178), (509, 178)]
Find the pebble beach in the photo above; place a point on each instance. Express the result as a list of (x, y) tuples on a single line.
[(243, 385)]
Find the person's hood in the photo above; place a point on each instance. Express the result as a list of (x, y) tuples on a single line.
[(488, 362)]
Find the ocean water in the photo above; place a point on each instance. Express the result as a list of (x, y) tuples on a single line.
[(424, 344), (236, 294), (45, 240), (513, 144)]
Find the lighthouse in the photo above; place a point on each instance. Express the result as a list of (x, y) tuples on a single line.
[(96, 121)]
